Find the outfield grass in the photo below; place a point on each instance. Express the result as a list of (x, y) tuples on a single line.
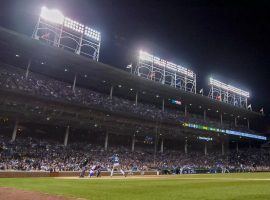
[(255, 186)]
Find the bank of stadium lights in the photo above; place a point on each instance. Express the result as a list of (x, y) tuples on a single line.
[(55, 16), (159, 70), (74, 25), (87, 31), (228, 93), (228, 87), (53, 26), (156, 60), (92, 33)]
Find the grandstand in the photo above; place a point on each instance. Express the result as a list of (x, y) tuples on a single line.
[(148, 128), (51, 93)]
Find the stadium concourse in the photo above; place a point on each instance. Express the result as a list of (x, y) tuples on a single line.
[(58, 108)]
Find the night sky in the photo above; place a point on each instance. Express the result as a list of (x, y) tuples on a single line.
[(230, 41)]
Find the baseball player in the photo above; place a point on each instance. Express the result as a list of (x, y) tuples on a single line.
[(116, 164), (95, 169)]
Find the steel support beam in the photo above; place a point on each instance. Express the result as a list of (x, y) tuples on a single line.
[(111, 92), (133, 143), (14, 133), (106, 141), (186, 147), (222, 148), (221, 119), (205, 148), (163, 105), (74, 83), (66, 136), (185, 110), (136, 99), (235, 121), (161, 146), (28, 68)]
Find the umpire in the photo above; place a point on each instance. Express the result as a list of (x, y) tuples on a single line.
[(83, 166)]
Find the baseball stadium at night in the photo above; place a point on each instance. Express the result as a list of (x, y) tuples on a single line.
[(134, 100)]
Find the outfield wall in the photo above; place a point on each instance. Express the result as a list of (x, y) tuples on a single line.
[(24, 174), (21, 174)]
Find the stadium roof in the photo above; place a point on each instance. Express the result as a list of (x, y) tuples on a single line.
[(63, 65)]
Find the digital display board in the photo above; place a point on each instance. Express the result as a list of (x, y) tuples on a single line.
[(205, 138), (225, 131), (177, 102)]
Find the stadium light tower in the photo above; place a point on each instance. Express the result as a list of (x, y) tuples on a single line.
[(228, 93), (57, 30), (165, 72)]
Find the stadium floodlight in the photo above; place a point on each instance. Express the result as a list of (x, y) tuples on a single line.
[(74, 25), (146, 56), (160, 70), (67, 33), (160, 62), (52, 15), (230, 88), (163, 63), (89, 32)]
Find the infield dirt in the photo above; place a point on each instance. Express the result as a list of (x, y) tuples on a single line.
[(16, 194)]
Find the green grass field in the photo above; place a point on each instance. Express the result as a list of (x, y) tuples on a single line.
[(249, 186)]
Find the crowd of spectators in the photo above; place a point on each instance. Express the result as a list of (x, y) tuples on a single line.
[(33, 154), (14, 78)]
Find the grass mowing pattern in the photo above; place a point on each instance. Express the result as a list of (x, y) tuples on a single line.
[(202, 187)]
